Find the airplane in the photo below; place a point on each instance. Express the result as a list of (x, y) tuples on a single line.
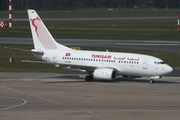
[(98, 64)]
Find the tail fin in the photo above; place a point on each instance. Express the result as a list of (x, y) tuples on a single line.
[(42, 38)]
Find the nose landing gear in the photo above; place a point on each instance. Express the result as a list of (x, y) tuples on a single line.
[(154, 77)]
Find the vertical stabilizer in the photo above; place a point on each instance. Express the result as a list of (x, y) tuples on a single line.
[(42, 38)]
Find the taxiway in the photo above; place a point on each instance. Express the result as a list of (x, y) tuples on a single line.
[(69, 97), (171, 46)]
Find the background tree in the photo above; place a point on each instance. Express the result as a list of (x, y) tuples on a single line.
[(78, 4), (0, 4), (173, 3)]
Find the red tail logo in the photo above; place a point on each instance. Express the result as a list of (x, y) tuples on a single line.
[(43, 34), (35, 26)]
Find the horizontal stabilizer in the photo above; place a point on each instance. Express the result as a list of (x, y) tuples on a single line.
[(25, 50), (37, 51), (18, 49)]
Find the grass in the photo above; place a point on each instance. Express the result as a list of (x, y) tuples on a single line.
[(96, 13), (18, 66), (164, 29), (119, 30), (5, 66)]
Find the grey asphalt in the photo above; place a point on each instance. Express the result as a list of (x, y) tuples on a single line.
[(170, 46), (54, 96)]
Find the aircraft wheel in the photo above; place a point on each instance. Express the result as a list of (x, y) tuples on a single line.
[(89, 78), (151, 81)]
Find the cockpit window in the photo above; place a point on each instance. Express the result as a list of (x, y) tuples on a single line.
[(157, 63)]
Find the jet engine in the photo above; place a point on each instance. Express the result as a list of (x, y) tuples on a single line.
[(105, 73)]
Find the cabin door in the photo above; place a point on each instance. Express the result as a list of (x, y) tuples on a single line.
[(145, 64), (55, 58)]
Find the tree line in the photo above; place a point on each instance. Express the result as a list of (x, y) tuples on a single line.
[(83, 4)]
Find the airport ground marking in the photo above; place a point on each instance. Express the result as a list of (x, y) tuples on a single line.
[(24, 102), (41, 98)]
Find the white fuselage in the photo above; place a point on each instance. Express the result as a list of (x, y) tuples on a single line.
[(126, 63)]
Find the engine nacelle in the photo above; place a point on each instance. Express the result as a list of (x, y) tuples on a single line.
[(105, 73)]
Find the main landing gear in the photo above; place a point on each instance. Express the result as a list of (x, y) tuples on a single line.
[(151, 81), (89, 78)]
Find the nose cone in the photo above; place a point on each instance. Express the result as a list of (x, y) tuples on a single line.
[(168, 69)]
